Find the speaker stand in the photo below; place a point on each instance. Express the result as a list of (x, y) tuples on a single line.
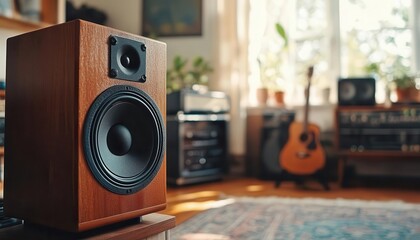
[(320, 176)]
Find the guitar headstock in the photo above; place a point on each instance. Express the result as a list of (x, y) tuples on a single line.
[(310, 72)]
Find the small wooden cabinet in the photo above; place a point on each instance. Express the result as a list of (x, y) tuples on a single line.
[(377, 133)]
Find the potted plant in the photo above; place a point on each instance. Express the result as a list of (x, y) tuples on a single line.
[(323, 88), (279, 92), (405, 88), (271, 71), (183, 75), (400, 79), (270, 80), (404, 83)]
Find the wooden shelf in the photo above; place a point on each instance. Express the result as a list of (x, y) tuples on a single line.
[(20, 24), (52, 12), (379, 154)]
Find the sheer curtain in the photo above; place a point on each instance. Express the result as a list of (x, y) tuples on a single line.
[(231, 69)]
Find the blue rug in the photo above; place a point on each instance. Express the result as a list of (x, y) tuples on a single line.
[(286, 218)]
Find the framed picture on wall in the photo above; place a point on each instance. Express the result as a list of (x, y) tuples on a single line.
[(168, 18)]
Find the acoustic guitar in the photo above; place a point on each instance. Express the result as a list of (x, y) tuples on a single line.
[(303, 154)]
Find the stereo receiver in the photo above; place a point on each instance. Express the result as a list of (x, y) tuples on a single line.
[(191, 101), (393, 129)]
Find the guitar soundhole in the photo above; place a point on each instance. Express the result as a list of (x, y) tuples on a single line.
[(309, 139), (303, 137)]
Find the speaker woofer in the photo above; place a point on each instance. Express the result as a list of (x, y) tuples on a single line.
[(124, 139)]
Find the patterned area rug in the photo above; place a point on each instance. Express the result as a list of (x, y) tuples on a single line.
[(286, 218)]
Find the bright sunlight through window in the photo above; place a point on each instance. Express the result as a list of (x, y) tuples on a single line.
[(346, 38)]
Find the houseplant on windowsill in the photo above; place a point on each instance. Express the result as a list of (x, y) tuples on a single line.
[(404, 83), (405, 88), (272, 66), (279, 93), (270, 80), (399, 79)]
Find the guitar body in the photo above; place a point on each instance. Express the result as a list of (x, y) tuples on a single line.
[(303, 153)]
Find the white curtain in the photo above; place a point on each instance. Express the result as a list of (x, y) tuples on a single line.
[(231, 69)]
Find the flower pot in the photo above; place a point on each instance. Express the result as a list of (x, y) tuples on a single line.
[(262, 96), (408, 95), (325, 95), (279, 98)]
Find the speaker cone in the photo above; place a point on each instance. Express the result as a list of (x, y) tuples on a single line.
[(347, 91), (366, 91), (129, 59), (124, 139)]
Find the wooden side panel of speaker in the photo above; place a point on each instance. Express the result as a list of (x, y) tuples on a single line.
[(98, 206), (41, 127)]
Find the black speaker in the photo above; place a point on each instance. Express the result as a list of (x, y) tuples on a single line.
[(356, 91), (274, 135)]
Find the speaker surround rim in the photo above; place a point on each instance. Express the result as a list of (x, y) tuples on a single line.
[(92, 148)]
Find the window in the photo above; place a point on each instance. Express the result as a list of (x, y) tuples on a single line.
[(376, 40), (311, 47), (340, 38)]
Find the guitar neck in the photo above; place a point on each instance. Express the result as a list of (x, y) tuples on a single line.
[(307, 93), (306, 114)]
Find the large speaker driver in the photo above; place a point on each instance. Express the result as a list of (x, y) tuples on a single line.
[(124, 139)]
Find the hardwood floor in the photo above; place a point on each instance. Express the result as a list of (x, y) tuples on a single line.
[(184, 202)]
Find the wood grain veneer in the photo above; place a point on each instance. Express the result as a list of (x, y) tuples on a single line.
[(53, 76)]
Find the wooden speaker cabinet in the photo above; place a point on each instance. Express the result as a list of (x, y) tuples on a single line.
[(85, 126)]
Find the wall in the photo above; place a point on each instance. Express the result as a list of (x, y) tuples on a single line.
[(4, 34), (126, 15)]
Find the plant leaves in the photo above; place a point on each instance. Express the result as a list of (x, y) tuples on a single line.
[(282, 33), (179, 63)]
